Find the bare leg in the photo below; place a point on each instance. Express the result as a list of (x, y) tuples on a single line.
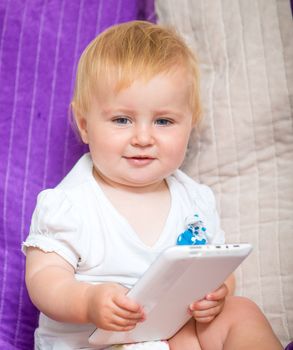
[(241, 325), (186, 338)]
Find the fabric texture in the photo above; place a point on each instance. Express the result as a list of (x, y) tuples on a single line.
[(244, 146), (40, 42), (77, 221), (289, 346)]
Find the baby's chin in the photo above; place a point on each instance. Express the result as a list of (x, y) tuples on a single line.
[(138, 181), (140, 184)]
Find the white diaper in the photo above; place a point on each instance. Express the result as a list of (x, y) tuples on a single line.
[(149, 345)]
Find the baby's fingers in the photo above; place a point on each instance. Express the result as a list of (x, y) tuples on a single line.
[(128, 309), (203, 305), (130, 315), (205, 315), (123, 302), (121, 324), (219, 293)]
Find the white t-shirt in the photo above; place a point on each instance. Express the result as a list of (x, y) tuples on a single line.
[(77, 221)]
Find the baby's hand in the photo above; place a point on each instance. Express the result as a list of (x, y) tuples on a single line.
[(109, 308), (207, 309)]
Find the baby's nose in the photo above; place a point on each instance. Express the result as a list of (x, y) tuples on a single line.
[(143, 136)]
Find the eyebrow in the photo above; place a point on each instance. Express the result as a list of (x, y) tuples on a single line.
[(117, 109), (132, 111), (168, 111)]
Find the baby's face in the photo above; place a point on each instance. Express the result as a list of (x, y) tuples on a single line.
[(138, 136)]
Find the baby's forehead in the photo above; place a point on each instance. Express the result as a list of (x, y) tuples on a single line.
[(158, 92), (119, 79)]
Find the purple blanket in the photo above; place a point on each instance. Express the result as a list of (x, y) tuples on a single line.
[(40, 42)]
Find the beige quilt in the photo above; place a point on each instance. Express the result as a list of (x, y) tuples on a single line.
[(244, 147)]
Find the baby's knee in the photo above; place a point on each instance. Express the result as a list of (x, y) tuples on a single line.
[(242, 308), (241, 302)]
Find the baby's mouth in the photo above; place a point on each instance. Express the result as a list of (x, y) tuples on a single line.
[(140, 159)]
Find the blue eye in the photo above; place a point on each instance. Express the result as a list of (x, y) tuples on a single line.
[(163, 122), (121, 120)]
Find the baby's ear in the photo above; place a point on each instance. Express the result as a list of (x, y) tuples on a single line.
[(81, 124)]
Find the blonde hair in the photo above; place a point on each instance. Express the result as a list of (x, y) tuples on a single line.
[(130, 51)]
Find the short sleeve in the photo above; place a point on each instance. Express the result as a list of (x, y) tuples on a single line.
[(56, 226)]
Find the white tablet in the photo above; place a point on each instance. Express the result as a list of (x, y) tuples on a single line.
[(179, 276)]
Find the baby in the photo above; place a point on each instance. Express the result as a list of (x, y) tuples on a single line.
[(135, 103)]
